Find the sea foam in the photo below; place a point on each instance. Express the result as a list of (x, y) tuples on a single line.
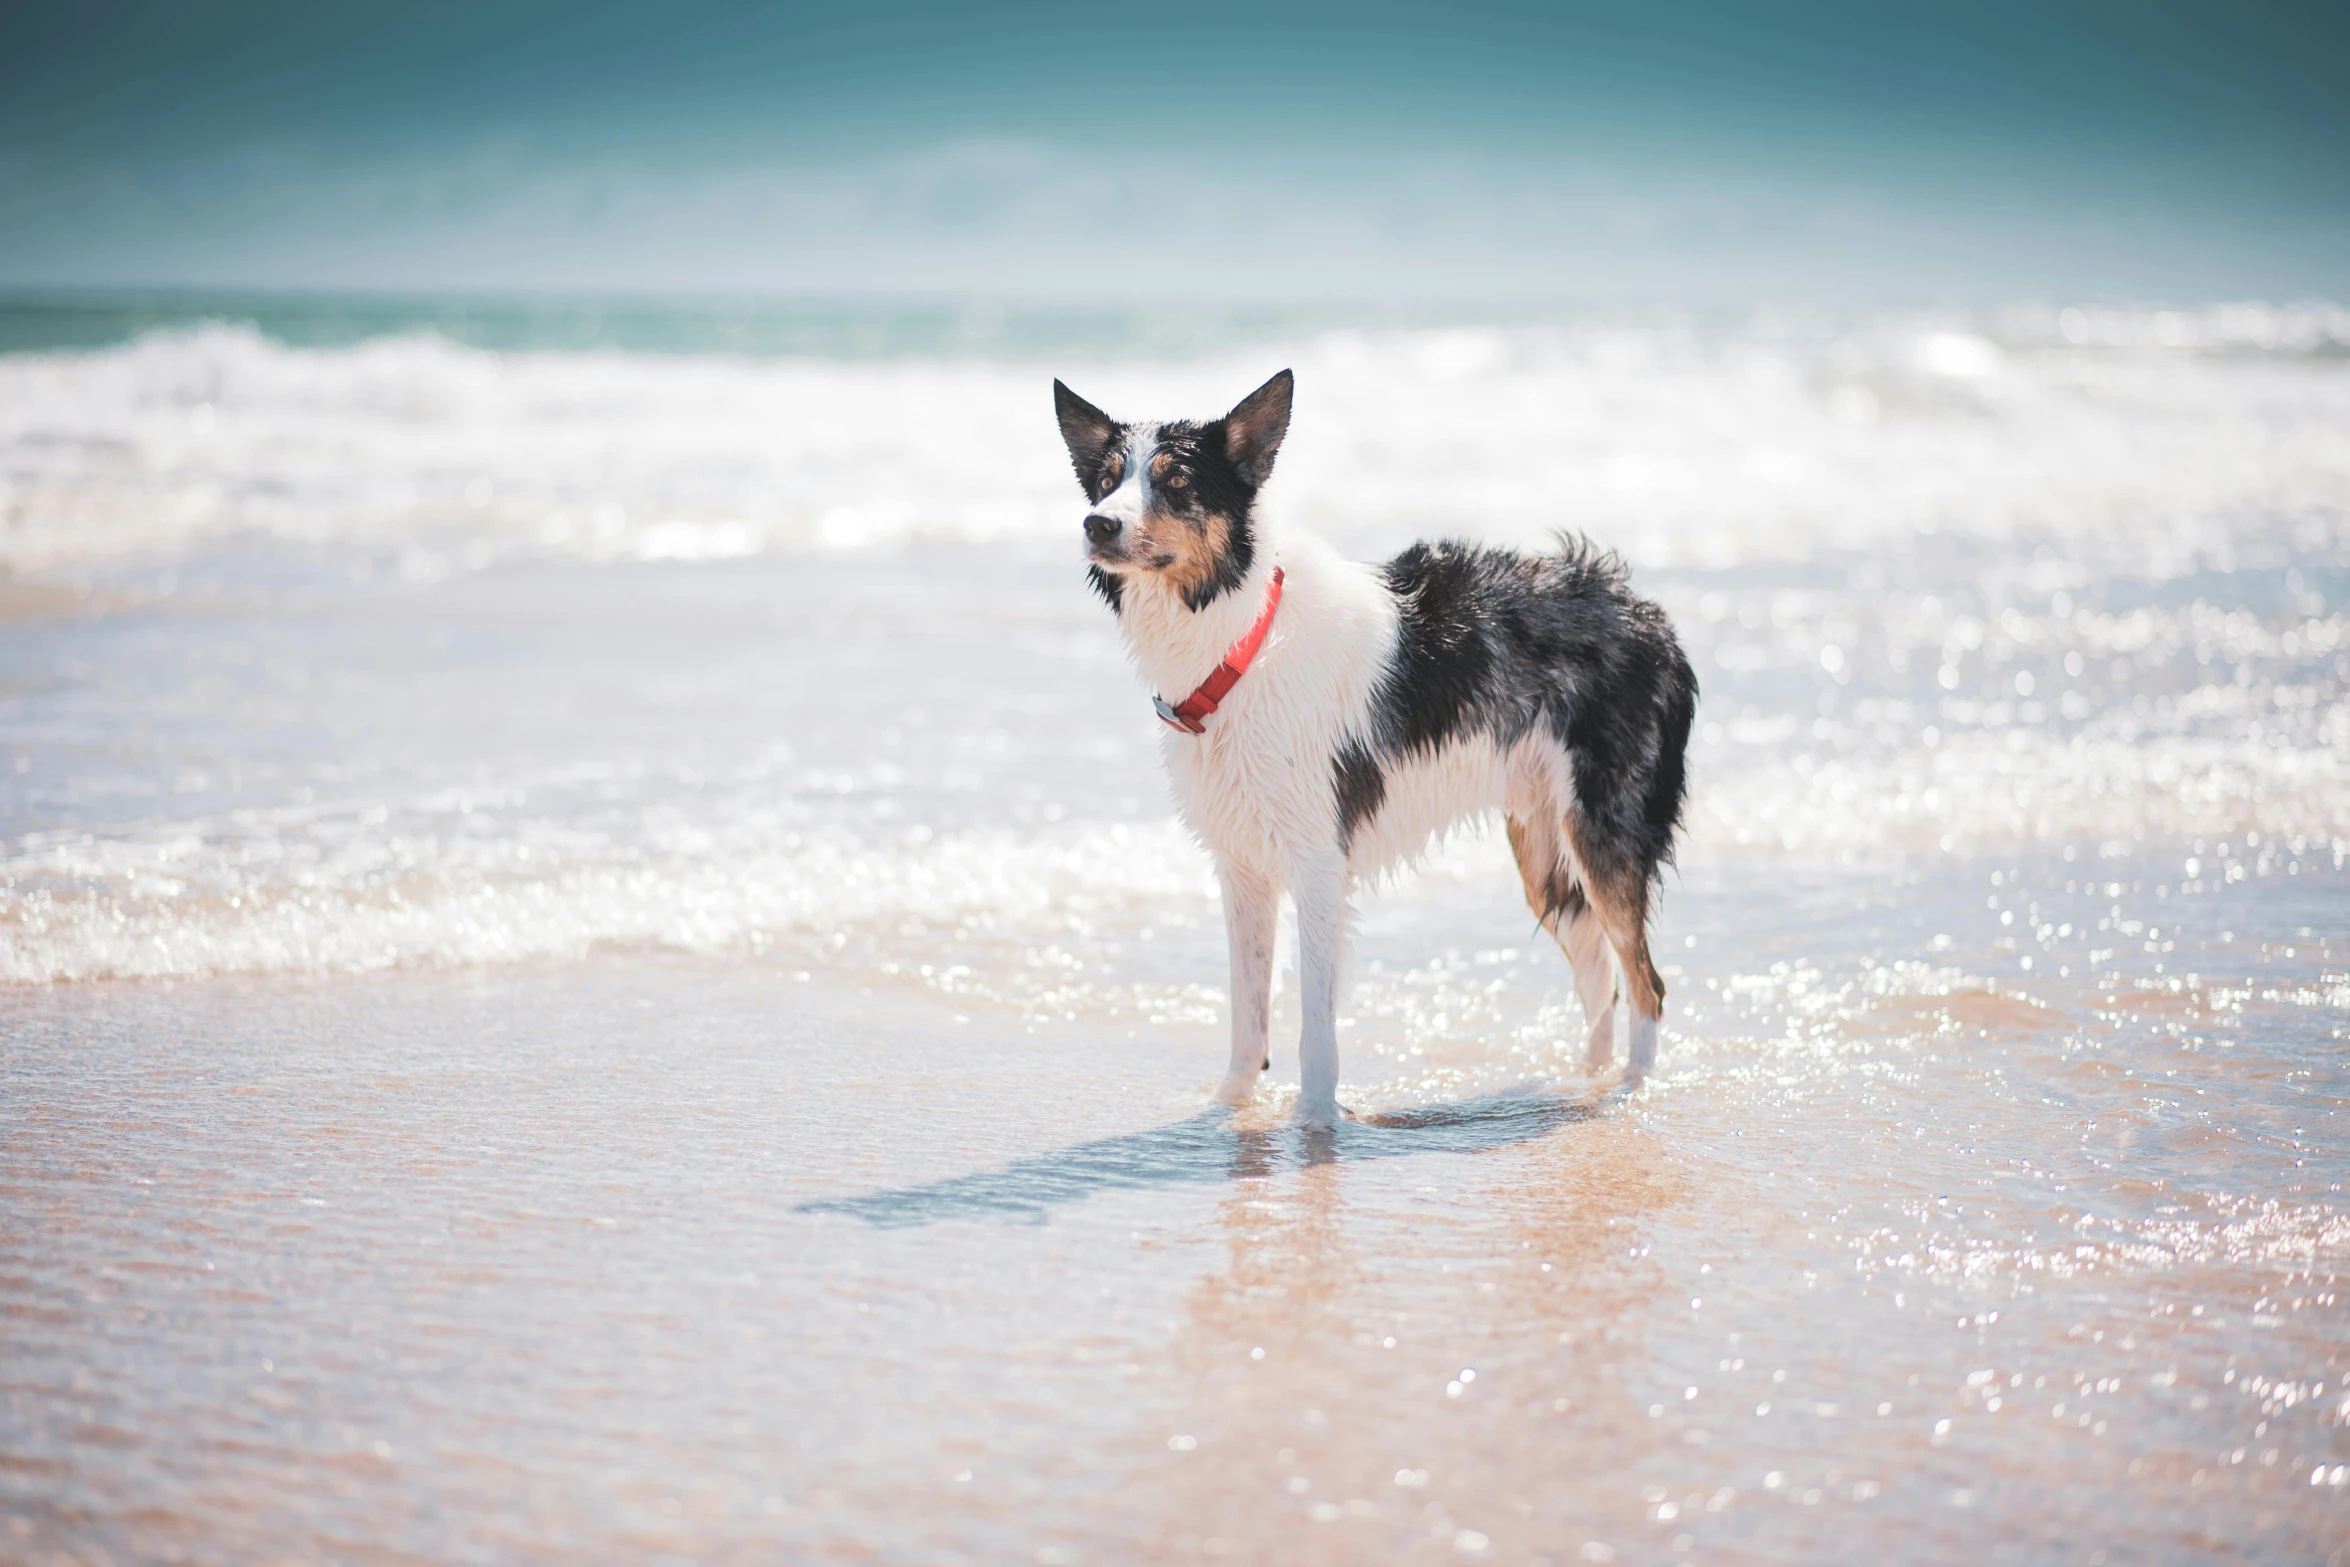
[(2157, 440), (2044, 581)]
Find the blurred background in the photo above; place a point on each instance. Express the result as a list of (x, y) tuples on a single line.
[(1225, 157), (594, 960)]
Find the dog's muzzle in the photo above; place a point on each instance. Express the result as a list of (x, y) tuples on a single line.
[(1100, 530)]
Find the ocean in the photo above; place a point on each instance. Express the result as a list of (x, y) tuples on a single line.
[(595, 964)]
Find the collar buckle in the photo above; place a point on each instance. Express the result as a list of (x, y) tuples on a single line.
[(1176, 720)]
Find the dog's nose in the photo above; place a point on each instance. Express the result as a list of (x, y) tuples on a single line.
[(1100, 529)]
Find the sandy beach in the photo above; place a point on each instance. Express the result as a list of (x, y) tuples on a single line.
[(596, 973)]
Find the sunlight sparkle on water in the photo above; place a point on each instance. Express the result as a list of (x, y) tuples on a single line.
[(588, 940)]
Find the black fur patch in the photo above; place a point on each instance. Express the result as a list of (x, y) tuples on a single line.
[(1436, 687), (1495, 643), (1362, 789), (1107, 586)]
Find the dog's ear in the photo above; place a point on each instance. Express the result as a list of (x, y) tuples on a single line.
[(1254, 428), (1086, 430)]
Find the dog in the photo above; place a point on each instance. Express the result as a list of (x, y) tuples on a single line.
[(1328, 720)]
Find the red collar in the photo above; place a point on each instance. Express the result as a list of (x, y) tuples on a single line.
[(1186, 714)]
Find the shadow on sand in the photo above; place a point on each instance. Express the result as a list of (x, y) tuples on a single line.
[(1209, 1147)]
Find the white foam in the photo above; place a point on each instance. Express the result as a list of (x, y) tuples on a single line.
[(1873, 707), (278, 893), (2142, 440)]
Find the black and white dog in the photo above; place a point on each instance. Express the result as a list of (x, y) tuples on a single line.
[(1328, 719)]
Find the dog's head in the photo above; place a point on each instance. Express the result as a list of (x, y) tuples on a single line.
[(1174, 501)]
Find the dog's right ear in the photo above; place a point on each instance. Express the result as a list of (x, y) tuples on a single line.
[(1087, 431)]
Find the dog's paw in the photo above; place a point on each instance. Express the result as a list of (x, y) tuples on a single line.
[(1641, 1058), (1237, 1089)]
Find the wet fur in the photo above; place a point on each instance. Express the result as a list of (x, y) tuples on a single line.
[(1389, 703)]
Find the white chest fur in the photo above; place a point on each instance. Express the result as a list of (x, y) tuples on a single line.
[(1258, 787)]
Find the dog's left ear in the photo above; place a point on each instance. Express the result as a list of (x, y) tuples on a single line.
[(1254, 428)]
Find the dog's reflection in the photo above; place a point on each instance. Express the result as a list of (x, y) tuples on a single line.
[(1368, 1357)]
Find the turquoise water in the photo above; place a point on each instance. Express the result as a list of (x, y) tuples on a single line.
[(838, 329)]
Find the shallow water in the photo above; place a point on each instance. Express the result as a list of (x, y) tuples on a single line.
[(597, 970)]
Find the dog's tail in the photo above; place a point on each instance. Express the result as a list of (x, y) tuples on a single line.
[(1668, 782)]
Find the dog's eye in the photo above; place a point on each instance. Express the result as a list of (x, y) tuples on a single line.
[(1176, 480), (1111, 471)]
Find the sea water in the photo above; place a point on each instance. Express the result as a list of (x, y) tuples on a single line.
[(598, 968)]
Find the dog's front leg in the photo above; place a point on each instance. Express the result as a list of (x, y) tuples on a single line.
[(1321, 938), (1251, 906)]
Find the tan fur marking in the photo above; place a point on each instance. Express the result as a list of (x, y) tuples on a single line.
[(1197, 549), (1544, 891), (1620, 899)]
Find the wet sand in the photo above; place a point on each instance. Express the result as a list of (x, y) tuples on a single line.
[(652, 1259), (591, 972)]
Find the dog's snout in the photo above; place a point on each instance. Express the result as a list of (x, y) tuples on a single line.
[(1100, 529)]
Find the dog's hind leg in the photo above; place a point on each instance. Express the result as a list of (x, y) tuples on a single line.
[(1251, 906), (1559, 904), (1595, 980), (1617, 886)]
